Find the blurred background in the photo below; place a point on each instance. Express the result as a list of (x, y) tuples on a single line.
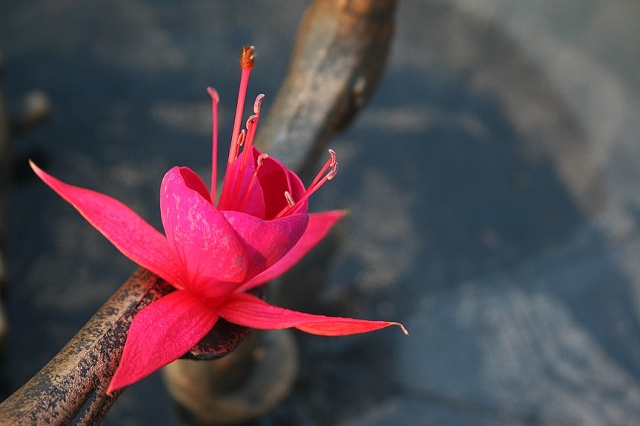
[(493, 184)]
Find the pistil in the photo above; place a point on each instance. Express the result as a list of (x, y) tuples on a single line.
[(246, 63)]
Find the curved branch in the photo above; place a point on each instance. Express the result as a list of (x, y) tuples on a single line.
[(339, 57), (71, 388)]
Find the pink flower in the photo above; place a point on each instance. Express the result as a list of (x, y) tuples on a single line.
[(214, 255)]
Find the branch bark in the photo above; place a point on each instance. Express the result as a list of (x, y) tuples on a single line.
[(339, 57), (71, 388)]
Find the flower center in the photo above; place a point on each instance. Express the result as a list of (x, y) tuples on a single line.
[(233, 197)]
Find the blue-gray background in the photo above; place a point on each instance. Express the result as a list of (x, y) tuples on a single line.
[(493, 182)]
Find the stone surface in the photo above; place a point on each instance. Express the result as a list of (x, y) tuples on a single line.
[(493, 183)]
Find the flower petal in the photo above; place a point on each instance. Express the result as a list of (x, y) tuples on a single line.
[(193, 181), (202, 239), (274, 180), (134, 237), (251, 311), (161, 333), (318, 227), (266, 241)]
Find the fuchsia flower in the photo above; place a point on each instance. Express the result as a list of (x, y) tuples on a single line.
[(214, 255)]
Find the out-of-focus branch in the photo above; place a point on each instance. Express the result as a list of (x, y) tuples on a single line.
[(339, 57)]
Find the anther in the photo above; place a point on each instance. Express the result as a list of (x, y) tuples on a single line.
[(241, 137), (252, 119), (289, 198), (331, 163), (246, 59), (261, 159), (333, 172), (257, 104), (333, 156)]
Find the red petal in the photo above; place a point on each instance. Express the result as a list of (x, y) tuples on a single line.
[(266, 241), (134, 237), (251, 311), (200, 236), (318, 227), (161, 333), (275, 179), (193, 181)]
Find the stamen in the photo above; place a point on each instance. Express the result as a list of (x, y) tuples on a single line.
[(254, 178), (261, 159), (257, 104), (252, 122), (332, 166), (289, 198), (215, 99), (249, 134), (333, 172), (249, 140), (241, 138), (332, 162), (239, 168)]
